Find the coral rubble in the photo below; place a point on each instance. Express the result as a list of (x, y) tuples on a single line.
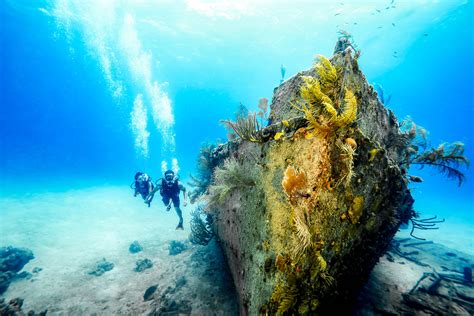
[(176, 247), (135, 247), (101, 267), (12, 260), (15, 307), (143, 264)]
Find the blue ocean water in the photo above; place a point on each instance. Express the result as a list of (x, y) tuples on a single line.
[(93, 91)]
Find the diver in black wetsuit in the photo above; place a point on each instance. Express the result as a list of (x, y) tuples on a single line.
[(143, 186), (169, 188)]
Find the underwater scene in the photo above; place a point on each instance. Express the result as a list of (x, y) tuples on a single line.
[(224, 157)]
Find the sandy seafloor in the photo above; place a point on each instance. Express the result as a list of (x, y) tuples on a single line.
[(70, 231)]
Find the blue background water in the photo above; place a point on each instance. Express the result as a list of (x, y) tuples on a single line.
[(62, 126)]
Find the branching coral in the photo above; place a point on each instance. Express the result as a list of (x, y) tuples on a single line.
[(201, 232), (232, 175), (246, 127), (446, 158), (424, 224), (201, 182)]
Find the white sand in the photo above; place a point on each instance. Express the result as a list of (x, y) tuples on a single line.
[(69, 232)]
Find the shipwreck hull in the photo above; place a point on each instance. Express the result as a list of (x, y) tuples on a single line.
[(308, 248)]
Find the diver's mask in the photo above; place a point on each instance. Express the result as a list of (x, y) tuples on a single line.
[(143, 178), (169, 178)]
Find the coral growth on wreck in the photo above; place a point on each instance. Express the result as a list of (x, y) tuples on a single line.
[(232, 175), (201, 229), (305, 205), (317, 180), (247, 127), (325, 102), (447, 158), (294, 181), (202, 180)]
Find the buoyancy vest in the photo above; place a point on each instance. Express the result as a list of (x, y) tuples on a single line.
[(169, 189), (143, 183)]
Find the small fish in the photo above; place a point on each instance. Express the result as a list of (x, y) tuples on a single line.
[(426, 34), (337, 14), (378, 10), (355, 23), (392, 2), (393, 24), (416, 179), (380, 27), (283, 71), (149, 292), (286, 123)]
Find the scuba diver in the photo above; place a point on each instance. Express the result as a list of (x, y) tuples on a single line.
[(143, 186), (169, 188)]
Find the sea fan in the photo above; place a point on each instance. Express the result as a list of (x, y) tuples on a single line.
[(201, 232), (247, 127), (446, 159), (201, 182)]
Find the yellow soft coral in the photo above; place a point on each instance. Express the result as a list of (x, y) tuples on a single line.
[(320, 99), (349, 113), (327, 72), (293, 181)]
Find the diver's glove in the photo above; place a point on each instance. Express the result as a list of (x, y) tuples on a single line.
[(148, 199)]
